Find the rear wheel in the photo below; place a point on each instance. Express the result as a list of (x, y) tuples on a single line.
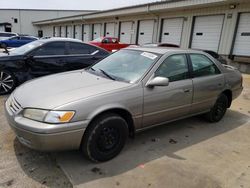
[(218, 110), (105, 137), (7, 82)]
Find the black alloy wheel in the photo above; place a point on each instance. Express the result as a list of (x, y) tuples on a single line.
[(7, 82)]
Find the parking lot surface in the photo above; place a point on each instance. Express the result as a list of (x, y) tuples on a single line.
[(189, 153)]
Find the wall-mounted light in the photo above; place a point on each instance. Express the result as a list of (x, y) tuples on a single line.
[(185, 18), (229, 16), (232, 6)]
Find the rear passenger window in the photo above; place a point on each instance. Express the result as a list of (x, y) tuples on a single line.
[(174, 68), (203, 66), (81, 48)]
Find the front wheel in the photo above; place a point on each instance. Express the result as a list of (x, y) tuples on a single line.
[(105, 137), (218, 110), (7, 82)]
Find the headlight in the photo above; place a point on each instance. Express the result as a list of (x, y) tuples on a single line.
[(49, 116)]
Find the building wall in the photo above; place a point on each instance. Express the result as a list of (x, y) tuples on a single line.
[(227, 35), (26, 17)]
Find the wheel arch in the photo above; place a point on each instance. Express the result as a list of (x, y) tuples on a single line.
[(121, 111)]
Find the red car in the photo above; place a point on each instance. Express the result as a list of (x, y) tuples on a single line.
[(109, 43)]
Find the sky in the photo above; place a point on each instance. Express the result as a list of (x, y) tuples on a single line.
[(70, 4)]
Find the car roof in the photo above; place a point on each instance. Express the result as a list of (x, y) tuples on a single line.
[(163, 50), (60, 39)]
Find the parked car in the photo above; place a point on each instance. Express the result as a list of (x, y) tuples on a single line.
[(16, 41), (6, 35), (133, 89), (109, 43), (44, 57), (216, 56)]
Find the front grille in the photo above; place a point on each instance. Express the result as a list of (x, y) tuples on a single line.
[(14, 106)]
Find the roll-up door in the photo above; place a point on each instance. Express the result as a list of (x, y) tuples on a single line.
[(78, 32), (207, 32), (242, 40), (146, 31), (126, 29), (172, 30), (86, 33), (63, 31), (69, 31), (97, 31), (110, 30)]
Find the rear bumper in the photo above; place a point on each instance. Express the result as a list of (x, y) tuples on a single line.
[(236, 92), (46, 140)]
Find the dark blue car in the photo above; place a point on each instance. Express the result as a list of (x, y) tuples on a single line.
[(16, 41)]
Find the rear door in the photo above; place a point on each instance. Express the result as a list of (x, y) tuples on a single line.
[(164, 103), (208, 82)]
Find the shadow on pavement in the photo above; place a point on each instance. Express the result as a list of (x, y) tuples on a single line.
[(149, 145)]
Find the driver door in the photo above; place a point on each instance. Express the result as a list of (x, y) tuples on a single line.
[(165, 103), (48, 59)]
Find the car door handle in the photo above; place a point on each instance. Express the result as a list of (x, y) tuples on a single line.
[(186, 90)]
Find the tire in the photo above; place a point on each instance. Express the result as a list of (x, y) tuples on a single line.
[(105, 137), (7, 82), (219, 109)]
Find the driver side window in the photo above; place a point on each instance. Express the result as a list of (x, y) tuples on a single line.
[(174, 68)]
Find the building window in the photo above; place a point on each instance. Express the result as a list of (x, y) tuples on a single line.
[(15, 20)]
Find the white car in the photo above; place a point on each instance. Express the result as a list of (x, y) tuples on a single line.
[(6, 35)]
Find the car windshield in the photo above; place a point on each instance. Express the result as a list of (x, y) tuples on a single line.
[(26, 48), (98, 39), (125, 65)]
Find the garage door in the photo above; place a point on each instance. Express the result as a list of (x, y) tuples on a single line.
[(110, 30), (126, 30), (86, 33), (172, 30), (63, 31), (207, 32), (57, 31), (242, 40), (97, 31), (69, 31), (78, 32), (146, 31)]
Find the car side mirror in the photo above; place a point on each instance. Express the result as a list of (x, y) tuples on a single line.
[(105, 41), (158, 81)]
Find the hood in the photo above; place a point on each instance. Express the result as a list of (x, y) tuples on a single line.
[(53, 91)]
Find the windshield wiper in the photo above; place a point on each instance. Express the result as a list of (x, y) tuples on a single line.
[(106, 74)]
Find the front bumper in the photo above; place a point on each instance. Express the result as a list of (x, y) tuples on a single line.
[(46, 137)]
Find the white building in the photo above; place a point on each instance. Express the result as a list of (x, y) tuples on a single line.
[(20, 20), (219, 25)]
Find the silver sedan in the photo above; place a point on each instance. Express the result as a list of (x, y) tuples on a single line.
[(97, 108)]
